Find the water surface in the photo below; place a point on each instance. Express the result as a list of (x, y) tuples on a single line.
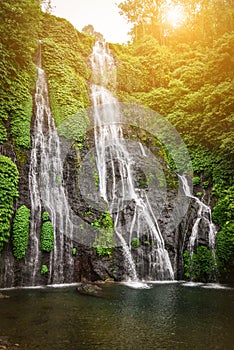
[(165, 316)]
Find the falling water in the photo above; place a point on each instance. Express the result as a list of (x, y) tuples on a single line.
[(203, 213), (47, 192), (116, 181)]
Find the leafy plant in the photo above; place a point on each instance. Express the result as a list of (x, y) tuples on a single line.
[(135, 242), (74, 250), (21, 231), (45, 216), (8, 193), (199, 265), (104, 242), (47, 234), (44, 269), (199, 194), (196, 180)]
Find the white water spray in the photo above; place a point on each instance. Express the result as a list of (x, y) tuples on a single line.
[(116, 180), (203, 213), (47, 192)]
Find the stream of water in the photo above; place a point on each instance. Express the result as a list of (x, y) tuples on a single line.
[(116, 180), (47, 192)]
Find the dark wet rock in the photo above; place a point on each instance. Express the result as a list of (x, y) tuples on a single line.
[(89, 289), (4, 296)]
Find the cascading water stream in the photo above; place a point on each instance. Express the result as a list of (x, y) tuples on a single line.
[(116, 181), (47, 192), (203, 213)]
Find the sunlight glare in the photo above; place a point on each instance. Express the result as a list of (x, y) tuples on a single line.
[(175, 15)]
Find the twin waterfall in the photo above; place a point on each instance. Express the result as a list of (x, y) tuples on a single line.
[(137, 235), (116, 181)]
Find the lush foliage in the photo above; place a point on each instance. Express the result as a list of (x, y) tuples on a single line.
[(200, 265), (8, 194), (19, 32), (47, 234), (64, 56), (44, 269), (202, 20), (223, 215), (186, 73), (21, 231), (135, 242), (105, 227)]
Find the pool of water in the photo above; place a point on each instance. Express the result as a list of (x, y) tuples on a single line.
[(164, 316)]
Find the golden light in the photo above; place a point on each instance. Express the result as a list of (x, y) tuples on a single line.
[(174, 15)]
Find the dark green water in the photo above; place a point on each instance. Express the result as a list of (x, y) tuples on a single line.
[(167, 316)]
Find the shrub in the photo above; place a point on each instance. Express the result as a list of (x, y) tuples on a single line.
[(135, 242), (104, 241), (196, 180), (199, 194), (8, 193), (44, 269), (199, 265), (21, 231), (74, 250), (47, 234)]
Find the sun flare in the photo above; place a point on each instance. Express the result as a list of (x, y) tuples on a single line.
[(175, 15)]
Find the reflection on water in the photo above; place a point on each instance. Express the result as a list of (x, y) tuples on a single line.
[(165, 316)]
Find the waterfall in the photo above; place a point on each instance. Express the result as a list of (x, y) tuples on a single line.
[(115, 165), (203, 216), (203, 213), (47, 193)]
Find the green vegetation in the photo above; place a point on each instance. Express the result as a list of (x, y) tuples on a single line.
[(185, 73), (223, 216), (196, 180), (47, 234), (199, 266), (104, 243), (135, 242), (21, 232), (8, 194), (64, 54), (19, 35), (74, 250), (44, 269)]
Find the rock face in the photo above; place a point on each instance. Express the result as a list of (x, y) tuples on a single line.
[(176, 215), (176, 218)]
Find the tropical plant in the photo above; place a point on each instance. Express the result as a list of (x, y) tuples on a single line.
[(21, 231)]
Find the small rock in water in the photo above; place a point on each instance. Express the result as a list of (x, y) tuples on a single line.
[(3, 296), (89, 289)]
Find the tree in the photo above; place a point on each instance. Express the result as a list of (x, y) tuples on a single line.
[(89, 29), (46, 6), (145, 15)]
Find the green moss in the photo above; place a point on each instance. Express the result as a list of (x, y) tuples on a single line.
[(8, 193), (21, 231)]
